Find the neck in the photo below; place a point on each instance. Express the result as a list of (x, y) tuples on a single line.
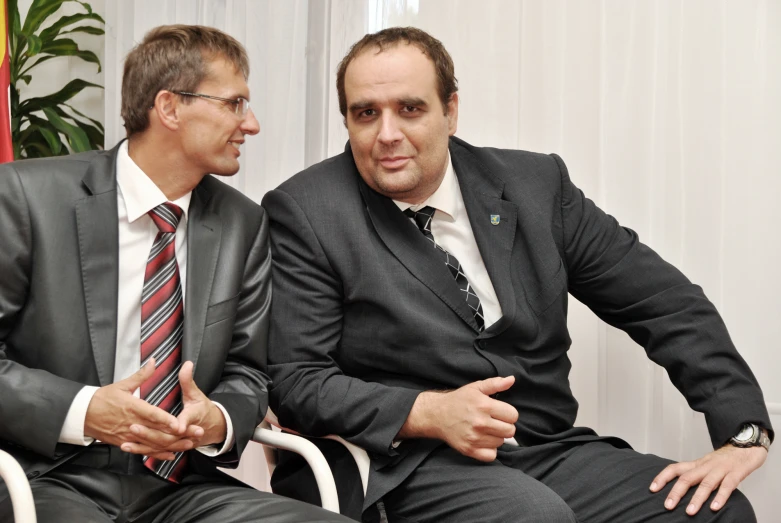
[(163, 165)]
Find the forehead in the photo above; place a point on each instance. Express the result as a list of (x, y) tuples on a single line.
[(224, 75), (403, 67)]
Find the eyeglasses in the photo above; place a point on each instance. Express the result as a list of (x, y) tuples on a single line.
[(240, 104)]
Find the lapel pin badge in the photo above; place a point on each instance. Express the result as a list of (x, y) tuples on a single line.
[(495, 219)]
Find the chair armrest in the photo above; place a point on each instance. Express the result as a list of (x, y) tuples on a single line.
[(325, 480), (18, 488), (359, 455)]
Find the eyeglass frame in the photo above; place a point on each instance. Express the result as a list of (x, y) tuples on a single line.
[(237, 102)]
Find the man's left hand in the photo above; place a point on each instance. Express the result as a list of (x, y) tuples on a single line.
[(198, 411), (721, 469), (200, 421)]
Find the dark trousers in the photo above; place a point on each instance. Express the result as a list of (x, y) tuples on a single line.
[(106, 485), (590, 482)]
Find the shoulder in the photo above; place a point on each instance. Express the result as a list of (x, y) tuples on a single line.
[(527, 170), (63, 167), (321, 187), (234, 207)]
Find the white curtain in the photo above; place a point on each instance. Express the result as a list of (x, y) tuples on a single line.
[(667, 113)]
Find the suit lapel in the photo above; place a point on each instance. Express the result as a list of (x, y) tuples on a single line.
[(414, 251), (482, 194), (204, 232), (96, 222)]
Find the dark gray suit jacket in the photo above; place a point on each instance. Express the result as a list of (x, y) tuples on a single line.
[(365, 315), (58, 301)]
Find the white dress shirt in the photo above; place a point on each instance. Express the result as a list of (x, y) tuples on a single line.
[(137, 194), (452, 231)]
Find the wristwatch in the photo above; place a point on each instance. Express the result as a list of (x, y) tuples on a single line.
[(751, 435)]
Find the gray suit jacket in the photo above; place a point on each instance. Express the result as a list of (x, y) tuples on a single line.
[(58, 301), (365, 315)]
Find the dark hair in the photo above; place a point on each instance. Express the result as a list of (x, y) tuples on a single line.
[(174, 58), (430, 46)]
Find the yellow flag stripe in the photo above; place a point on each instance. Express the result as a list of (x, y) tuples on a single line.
[(3, 35)]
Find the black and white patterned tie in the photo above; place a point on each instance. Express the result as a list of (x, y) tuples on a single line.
[(423, 220)]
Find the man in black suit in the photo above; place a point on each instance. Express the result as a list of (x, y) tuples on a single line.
[(134, 304), (420, 310)]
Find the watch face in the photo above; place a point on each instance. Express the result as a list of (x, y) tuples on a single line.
[(746, 433)]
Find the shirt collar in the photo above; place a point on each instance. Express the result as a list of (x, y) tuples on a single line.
[(444, 199), (139, 192)]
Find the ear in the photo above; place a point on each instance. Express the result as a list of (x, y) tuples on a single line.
[(452, 114), (166, 109)]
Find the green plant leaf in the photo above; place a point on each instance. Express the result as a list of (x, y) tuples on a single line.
[(34, 45), (77, 139), (85, 29), (26, 79), (94, 134), (53, 30), (70, 90), (67, 47), (52, 139), (97, 123), (39, 11), (38, 61)]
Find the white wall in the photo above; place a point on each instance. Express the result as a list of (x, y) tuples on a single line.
[(667, 113)]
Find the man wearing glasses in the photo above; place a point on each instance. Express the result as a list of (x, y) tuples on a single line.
[(134, 304)]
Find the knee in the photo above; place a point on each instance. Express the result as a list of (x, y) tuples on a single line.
[(737, 509), (539, 509)]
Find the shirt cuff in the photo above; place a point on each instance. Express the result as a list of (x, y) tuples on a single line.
[(212, 450), (73, 428)]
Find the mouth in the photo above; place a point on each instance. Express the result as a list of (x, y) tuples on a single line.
[(394, 162), (236, 145)]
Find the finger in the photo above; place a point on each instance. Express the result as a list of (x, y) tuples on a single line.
[(132, 382), (155, 417), (139, 448), (189, 389), (493, 385), (189, 421), (728, 486), (165, 456), (502, 411), (482, 454), (669, 473), (151, 437), (134, 448), (703, 492), (682, 486), (497, 428)]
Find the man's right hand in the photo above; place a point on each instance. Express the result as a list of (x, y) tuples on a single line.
[(467, 419), (114, 416)]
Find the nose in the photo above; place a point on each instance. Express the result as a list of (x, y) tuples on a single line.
[(250, 124), (390, 131)]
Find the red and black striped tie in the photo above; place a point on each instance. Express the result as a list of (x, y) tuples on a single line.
[(162, 322)]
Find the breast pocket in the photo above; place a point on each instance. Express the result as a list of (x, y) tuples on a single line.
[(549, 291), (222, 310)]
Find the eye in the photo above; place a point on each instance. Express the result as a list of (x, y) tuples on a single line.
[(410, 109), (368, 113)]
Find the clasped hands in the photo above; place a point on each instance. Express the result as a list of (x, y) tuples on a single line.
[(115, 416), (474, 424)]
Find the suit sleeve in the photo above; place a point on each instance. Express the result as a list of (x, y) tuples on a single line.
[(243, 387), (311, 394), (632, 288), (33, 402)]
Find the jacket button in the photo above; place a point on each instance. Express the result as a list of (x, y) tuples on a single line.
[(482, 344), (34, 474)]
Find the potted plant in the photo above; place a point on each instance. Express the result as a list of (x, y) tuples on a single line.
[(49, 125)]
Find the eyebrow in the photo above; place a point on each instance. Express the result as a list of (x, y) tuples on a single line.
[(366, 104)]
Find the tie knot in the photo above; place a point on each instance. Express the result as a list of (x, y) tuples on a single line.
[(422, 217), (166, 216)]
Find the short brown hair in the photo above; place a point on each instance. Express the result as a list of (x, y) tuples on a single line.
[(430, 46), (173, 58)]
